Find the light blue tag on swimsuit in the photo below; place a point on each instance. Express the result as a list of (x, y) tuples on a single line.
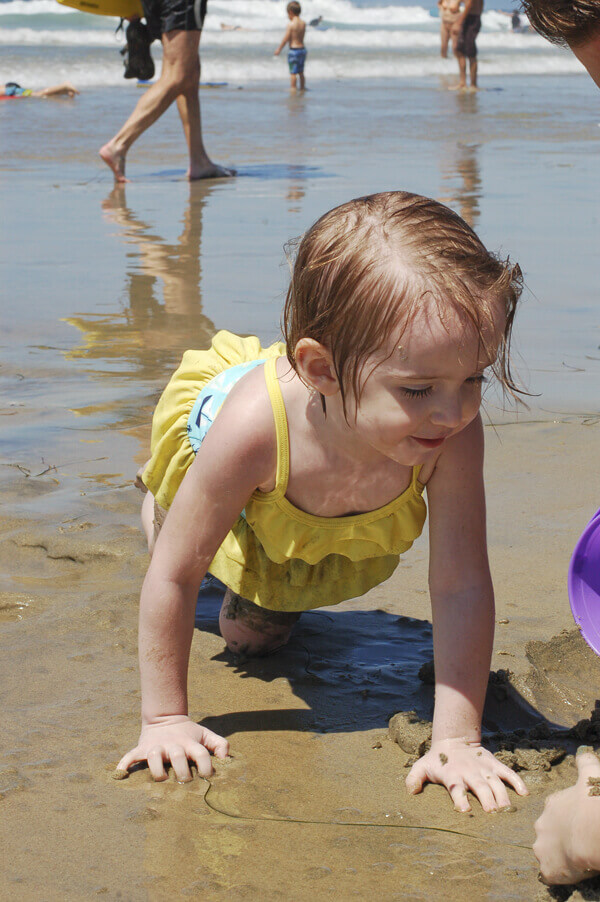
[(209, 401)]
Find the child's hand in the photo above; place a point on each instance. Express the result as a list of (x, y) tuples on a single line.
[(460, 765), (176, 739), (276, 53), (567, 843)]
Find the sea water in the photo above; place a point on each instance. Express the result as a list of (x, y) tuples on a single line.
[(44, 42)]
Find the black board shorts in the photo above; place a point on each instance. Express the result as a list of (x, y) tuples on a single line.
[(466, 45), (163, 16)]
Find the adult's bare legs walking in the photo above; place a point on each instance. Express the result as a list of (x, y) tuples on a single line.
[(179, 80)]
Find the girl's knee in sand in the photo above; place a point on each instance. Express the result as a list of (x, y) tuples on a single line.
[(252, 631)]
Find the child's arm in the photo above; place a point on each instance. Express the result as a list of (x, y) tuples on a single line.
[(286, 38), (462, 601), (237, 455)]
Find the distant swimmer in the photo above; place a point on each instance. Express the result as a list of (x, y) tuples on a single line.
[(294, 36), (516, 21), (12, 89), (314, 22)]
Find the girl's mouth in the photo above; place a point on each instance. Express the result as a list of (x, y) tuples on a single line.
[(429, 442)]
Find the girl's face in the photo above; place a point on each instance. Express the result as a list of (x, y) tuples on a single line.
[(423, 386)]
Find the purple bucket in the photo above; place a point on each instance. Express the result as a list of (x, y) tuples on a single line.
[(584, 583)]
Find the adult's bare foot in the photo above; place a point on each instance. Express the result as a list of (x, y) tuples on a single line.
[(210, 171), (115, 160), (458, 87)]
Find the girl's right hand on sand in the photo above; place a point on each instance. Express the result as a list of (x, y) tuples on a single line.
[(465, 766), (176, 739)]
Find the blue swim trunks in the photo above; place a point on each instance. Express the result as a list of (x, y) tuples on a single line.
[(296, 58), (12, 89)]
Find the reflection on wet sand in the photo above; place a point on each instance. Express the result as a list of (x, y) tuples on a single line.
[(162, 314), (295, 193), (460, 171)]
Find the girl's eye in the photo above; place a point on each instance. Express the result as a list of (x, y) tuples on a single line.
[(417, 392), (477, 380)]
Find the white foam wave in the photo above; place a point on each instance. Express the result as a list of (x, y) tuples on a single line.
[(34, 8), (376, 39), (245, 12), (30, 37), (260, 13), (102, 72)]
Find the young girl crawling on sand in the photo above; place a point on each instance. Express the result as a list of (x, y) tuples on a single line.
[(295, 474)]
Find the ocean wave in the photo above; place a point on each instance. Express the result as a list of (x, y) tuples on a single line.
[(31, 37), (34, 8), (355, 40), (334, 12), (259, 13), (104, 71)]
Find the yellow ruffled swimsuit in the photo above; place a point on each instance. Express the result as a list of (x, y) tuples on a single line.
[(276, 555)]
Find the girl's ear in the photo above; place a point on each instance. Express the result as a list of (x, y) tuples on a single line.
[(315, 367)]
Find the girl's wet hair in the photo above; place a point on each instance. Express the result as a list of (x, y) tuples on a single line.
[(364, 269)]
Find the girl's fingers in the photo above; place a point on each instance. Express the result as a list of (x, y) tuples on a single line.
[(484, 793), (215, 744), (156, 763), (500, 792), (201, 758), (130, 758), (513, 779), (458, 794), (180, 764), (416, 778)]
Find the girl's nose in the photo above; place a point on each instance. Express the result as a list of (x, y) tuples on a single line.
[(449, 412)]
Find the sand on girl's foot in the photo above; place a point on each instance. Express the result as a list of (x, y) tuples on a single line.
[(115, 161)]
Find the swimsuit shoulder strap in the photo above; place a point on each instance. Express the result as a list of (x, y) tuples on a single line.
[(281, 428)]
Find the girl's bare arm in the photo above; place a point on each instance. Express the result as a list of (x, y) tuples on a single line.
[(462, 601), (237, 455)]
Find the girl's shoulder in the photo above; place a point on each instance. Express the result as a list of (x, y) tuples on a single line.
[(246, 420)]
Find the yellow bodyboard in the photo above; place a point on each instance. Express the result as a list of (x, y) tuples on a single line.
[(123, 9)]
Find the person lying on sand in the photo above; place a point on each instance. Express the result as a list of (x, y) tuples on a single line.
[(394, 314), (12, 89), (568, 833)]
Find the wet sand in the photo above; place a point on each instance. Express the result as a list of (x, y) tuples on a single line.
[(107, 288)]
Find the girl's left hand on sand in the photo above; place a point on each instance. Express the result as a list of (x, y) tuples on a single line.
[(462, 766)]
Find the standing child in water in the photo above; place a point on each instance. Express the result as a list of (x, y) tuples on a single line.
[(294, 36), (295, 474)]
